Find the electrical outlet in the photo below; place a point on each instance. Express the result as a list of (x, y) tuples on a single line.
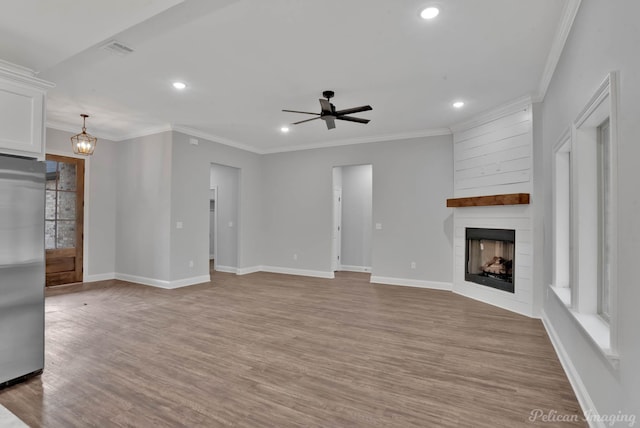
[(413, 265), (295, 257), (190, 263)]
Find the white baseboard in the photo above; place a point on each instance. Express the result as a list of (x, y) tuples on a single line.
[(248, 270), (434, 285), (161, 283), (99, 277), (350, 268), (227, 269), (584, 399), (190, 281), (299, 272)]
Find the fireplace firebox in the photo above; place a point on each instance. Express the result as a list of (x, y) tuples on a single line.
[(490, 257)]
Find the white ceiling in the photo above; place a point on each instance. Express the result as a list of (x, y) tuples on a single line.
[(246, 60)]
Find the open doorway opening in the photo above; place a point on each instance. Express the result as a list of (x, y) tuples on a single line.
[(352, 218), (223, 218)]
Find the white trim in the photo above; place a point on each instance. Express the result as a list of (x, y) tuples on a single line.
[(581, 392), (161, 283), (522, 103), (143, 280), (248, 270), (144, 132), (178, 283), (67, 127), (566, 23), (349, 268), (227, 269), (593, 329), (61, 126), (601, 94), (602, 104), (562, 141), (433, 285), (214, 138), (23, 76), (99, 277), (299, 272), (361, 140)]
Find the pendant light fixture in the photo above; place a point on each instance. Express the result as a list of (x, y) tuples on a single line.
[(83, 143)]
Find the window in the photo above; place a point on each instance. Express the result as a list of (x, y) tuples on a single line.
[(604, 204), (584, 231), (562, 217)]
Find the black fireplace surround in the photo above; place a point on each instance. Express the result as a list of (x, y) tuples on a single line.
[(490, 257)]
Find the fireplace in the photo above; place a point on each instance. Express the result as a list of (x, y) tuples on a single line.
[(490, 257)]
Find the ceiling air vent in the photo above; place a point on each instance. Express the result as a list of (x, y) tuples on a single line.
[(117, 48)]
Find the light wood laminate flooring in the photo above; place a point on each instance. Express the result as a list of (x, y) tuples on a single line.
[(268, 350)]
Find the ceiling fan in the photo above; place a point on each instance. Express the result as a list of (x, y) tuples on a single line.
[(329, 114)]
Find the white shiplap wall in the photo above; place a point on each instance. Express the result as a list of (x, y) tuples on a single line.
[(493, 155)]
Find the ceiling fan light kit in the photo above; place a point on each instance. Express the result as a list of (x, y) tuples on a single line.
[(329, 114)]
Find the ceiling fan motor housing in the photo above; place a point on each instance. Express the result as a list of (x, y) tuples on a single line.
[(328, 94)]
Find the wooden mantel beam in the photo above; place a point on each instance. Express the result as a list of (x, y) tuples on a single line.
[(485, 201)]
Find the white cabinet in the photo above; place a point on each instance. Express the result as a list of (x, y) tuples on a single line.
[(22, 111)]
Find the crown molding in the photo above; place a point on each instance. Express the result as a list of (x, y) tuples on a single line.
[(144, 132), (566, 23), (22, 75), (215, 138), (61, 126), (511, 107), (362, 140), (74, 129)]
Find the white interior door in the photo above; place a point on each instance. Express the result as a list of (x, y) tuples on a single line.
[(337, 228)]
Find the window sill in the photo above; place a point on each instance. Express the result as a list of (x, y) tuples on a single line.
[(592, 326)]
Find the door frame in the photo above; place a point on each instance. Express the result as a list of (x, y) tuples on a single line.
[(336, 238), (213, 196), (78, 252), (87, 212)]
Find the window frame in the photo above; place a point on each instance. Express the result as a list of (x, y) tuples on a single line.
[(588, 225)]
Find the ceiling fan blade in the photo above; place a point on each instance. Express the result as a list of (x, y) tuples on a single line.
[(330, 122), (306, 120), (353, 119), (353, 110), (303, 112), (326, 106)]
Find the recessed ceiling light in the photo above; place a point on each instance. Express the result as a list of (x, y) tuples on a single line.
[(179, 85), (429, 13), (284, 129), (458, 104)]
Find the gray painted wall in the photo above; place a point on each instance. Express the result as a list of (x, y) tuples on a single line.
[(143, 207), (100, 205), (357, 210), (411, 181), (226, 179), (604, 38), (191, 174)]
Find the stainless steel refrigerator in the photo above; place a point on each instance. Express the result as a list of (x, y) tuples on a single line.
[(22, 268)]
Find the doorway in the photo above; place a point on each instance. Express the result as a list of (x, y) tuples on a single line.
[(213, 228), (352, 218), (224, 184), (64, 220)]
